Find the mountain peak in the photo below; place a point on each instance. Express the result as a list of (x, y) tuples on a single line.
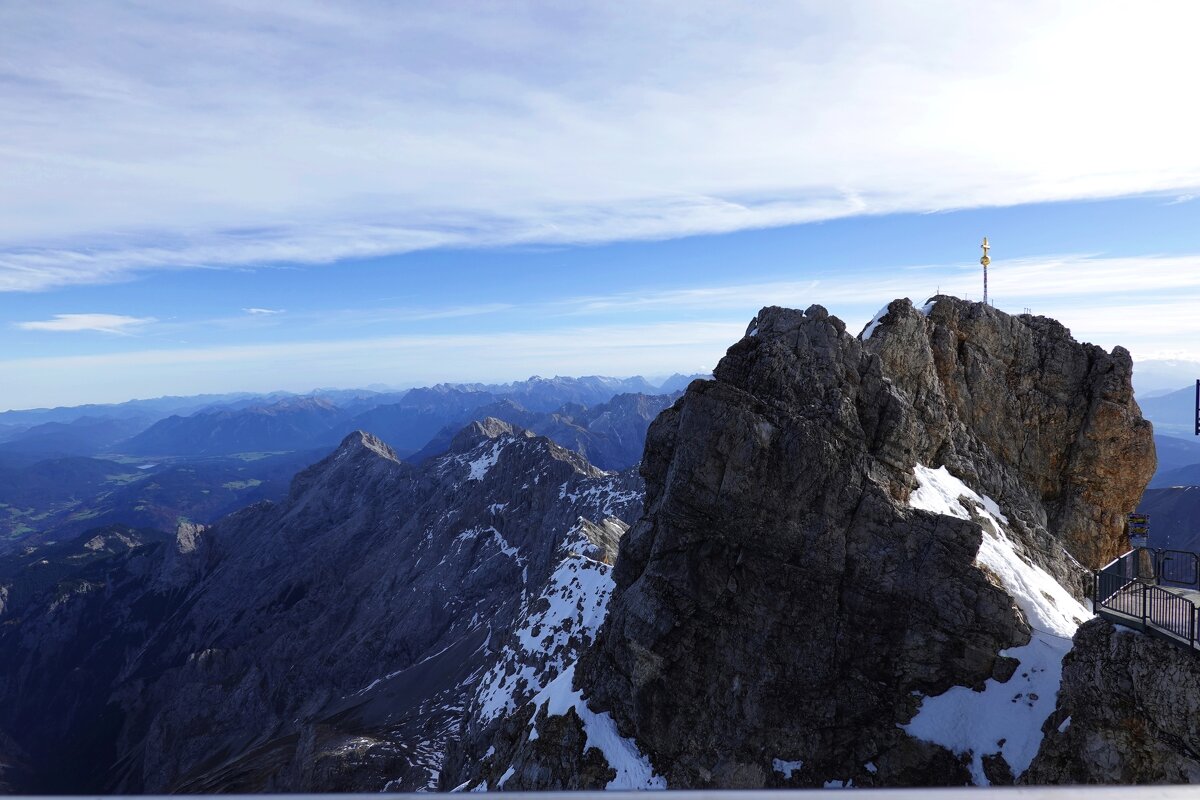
[(774, 322), (360, 458), (360, 442), (484, 429)]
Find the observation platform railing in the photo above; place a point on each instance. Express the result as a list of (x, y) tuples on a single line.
[(1156, 591)]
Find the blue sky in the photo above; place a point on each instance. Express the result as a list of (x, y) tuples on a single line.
[(247, 196)]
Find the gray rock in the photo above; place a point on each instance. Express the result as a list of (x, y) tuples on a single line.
[(780, 600), (1128, 712)]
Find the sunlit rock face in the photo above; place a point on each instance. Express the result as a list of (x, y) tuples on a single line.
[(793, 610)]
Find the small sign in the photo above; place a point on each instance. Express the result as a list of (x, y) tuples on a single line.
[(1139, 530)]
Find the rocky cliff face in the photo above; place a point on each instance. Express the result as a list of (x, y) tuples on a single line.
[(849, 542), (328, 642), (1021, 410), (1128, 712)]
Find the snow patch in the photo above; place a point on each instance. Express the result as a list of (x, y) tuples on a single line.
[(563, 618), (1066, 723), (786, 768), (496, 537), (632, 766), (604, 496), (480, 466), (967, 721), (940, 492), (875, 322)]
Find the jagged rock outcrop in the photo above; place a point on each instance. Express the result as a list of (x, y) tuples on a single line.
[(1022, 411), (804, 580), (1128, 712), (325, 643)]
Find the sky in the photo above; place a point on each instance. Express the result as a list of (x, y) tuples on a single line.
[(242, 196)]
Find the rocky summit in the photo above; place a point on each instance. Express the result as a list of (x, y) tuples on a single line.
[(848, 560), (860, 563)]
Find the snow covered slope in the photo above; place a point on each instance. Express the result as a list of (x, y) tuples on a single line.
[(536, 669), (1006, 717)]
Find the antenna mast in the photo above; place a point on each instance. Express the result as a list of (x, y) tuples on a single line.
[(985, 261)]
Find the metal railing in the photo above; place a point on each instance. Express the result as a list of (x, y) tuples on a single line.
[(1135, 590)]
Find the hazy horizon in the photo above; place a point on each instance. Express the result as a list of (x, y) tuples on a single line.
[(1151, 378)]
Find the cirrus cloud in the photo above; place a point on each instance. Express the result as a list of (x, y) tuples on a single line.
[(76, 323), (248, 134)]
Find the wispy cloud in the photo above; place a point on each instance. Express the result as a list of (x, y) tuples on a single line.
[(263, 311), (76, 323), (1027, 280), (242, 135)]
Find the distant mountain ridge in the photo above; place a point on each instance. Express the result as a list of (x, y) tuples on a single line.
[(407, 422), (1178, 462), (84, 436), (151, 468), (1173, 415), (291, 424), (610, 435)]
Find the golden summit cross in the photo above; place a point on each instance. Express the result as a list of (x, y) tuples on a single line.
[(985, 261)]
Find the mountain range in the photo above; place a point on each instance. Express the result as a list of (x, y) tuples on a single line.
[(400, 575), (137, 464), (842, 560)]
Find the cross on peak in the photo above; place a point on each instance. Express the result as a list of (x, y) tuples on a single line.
[(985, 261)]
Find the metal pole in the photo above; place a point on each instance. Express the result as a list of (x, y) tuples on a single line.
[(987, 260)]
